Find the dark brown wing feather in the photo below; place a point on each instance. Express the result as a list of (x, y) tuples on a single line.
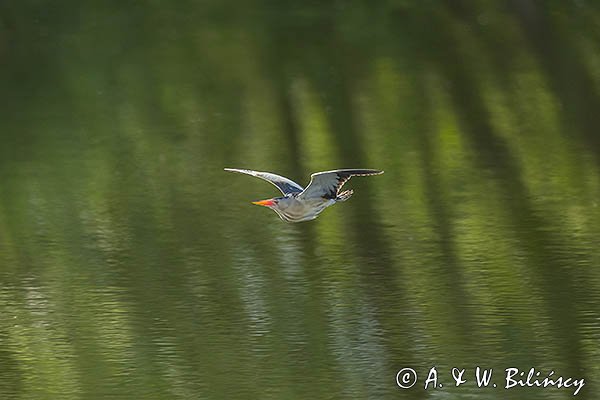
[(327, 184)]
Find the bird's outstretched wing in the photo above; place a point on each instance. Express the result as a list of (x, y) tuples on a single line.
[(284, 184), (327, 184)]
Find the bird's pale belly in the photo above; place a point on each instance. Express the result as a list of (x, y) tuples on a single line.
[(306, 210)]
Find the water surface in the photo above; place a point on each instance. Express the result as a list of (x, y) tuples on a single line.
[(133, 266)]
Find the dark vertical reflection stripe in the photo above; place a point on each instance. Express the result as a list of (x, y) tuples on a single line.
[(564, 66)]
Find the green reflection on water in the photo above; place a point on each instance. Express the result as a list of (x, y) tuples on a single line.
[(134, 267)]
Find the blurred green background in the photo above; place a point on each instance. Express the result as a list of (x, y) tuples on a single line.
[(132, 266)]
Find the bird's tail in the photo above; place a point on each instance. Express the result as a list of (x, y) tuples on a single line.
[(345, 195)]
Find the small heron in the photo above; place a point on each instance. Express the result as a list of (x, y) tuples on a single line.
[(304, 204)]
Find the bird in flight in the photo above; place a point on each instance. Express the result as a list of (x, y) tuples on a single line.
[(304, 204)]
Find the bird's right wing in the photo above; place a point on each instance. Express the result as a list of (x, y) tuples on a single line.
[(328, 184), (284, 184)]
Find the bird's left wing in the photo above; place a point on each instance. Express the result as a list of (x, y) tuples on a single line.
[(327, 184), (284, 184)]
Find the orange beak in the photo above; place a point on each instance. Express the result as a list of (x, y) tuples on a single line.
[(266, 203)]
